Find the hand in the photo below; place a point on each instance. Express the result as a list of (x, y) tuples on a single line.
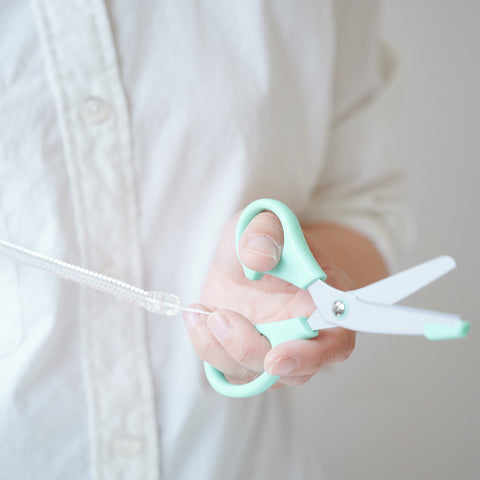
[(226, 338)]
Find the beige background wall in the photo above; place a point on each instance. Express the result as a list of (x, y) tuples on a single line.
[(406, 408)]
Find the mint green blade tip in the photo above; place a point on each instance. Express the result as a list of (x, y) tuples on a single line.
[(434, 331)]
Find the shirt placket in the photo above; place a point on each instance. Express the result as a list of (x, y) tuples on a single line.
[(83, 69)]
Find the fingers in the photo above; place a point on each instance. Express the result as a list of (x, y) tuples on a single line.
[(231, 344), (260, 246), (296, 361), (228, 342)]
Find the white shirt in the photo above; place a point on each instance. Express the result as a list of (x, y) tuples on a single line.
[(129, 133)]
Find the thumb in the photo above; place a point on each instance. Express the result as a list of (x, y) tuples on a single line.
[(260, 246)]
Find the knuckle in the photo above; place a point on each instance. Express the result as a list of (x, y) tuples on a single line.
[(248, 355), (206, 347)]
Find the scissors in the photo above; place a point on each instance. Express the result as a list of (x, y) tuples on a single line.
[(368, 309)]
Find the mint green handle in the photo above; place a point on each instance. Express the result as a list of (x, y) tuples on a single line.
[(276, 332), (297, 264)]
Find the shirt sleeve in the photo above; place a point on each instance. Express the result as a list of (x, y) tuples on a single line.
[(359, 186)]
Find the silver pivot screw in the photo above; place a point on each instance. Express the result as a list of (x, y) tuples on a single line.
[(339, 308)]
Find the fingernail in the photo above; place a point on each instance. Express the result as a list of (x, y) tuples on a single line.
[(263, 246), (283, 366), (219, 326)]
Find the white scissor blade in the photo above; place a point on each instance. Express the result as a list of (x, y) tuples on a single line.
[(374, 318), (392, 289)]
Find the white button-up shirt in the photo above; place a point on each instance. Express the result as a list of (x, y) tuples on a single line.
[(129, 133)]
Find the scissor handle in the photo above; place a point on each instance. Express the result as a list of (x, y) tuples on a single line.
[(276, 332), (297, 265)]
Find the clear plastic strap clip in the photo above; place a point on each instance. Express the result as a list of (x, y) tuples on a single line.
[(161, 303)]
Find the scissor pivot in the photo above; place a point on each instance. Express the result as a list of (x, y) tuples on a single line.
[(339, 308)]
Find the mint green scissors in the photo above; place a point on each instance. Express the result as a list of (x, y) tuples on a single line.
[(369, 309)]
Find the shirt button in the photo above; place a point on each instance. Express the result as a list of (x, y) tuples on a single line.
[(126, 444), (96, 110)]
